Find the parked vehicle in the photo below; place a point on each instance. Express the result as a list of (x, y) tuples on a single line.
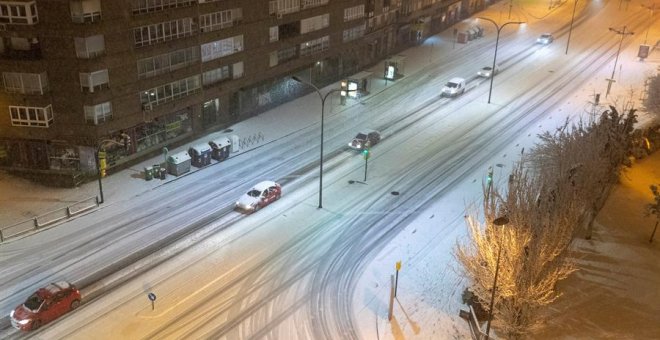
[(487, 71), (545, 39), (261, 195), (45, 305), (365, 139), (454, 87)]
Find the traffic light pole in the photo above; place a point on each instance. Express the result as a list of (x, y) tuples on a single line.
[(98, 168)]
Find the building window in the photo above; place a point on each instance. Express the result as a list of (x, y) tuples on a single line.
[(169, 92), (98, 114), (25, 83), (223, 73), (18, 13), (352, 13), (85, 10), (220, 48), (164, 31), (94, 81), (314, 23), (280, 7), (149, 6), (273, 33), (283, 55), (218, 20), (89, 47), (354, 33), (164, 63), (313, 3), (315, 46), (31, 116)]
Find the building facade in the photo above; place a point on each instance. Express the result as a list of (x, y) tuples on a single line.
[(132, 76)]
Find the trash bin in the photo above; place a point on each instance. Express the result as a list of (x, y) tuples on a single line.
[(163, 173), (156, 170), (148, 173)]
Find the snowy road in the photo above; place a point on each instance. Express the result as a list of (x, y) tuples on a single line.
[(290, 270)]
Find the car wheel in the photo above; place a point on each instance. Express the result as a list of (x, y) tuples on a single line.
[(36, 324), (75, 304)]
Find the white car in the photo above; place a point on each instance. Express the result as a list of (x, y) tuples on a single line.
[(545, 39), (487, 71), (261, 195), (454, 87), (365, 139)]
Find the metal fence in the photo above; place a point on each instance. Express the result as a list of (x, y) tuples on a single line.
[(48, 218)]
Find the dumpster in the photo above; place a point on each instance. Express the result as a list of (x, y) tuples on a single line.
[(156, 170), (200, 155), (178, 163), (163, 173), (148, 173), (220, 148)]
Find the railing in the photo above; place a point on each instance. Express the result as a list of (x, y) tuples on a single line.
[(47, 219)]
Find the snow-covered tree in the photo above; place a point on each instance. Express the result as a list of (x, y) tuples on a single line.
[(654, 209), (549, 194)]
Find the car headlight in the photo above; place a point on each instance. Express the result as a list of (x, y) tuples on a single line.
[(23, 322), (11, 314)]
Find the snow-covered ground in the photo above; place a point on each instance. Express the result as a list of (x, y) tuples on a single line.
[(619, 275)]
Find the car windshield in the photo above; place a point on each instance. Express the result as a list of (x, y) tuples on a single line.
[(545, 36), (33, 302), (361, 136), (487, 68), (254, 193), (452, 85)]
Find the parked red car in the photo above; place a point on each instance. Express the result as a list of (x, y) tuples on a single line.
[(45, 305)]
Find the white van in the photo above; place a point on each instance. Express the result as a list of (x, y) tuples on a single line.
[(454, 87)]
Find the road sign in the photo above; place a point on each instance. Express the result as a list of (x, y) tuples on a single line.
[(151, 296)]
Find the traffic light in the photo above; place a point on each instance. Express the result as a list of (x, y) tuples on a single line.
[(365, 153), (126, 140), (489, 178), (103, 165)]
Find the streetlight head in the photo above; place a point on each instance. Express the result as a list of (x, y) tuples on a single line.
[(500, 221)]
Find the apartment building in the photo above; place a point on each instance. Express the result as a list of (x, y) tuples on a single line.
[(133, 76)]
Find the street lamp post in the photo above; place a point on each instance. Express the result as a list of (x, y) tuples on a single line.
[(623, 33), (571, 29), (500, 221), (323, 98), (497, 41)]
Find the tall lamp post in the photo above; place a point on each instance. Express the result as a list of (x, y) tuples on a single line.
[(497, 41), (500, 221), (571, 29), (623, 34), (323, 98)]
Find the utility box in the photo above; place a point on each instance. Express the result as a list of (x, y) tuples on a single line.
[(200, 155), (220, 148), (178, 163)]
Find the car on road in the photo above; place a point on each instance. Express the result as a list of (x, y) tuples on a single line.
[(45, 305), (487, 71), (545, 39), (454, 87), (259, 196), (364, 140)]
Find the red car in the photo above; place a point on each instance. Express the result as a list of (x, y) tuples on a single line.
[(45, 305), (261, 195)]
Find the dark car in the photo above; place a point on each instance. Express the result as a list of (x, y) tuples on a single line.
[(365, 139), (45, 305)]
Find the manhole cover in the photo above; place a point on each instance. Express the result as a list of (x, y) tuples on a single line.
[(395, 193)]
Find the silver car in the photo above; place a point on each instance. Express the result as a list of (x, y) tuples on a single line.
[(487, 71), (545, 39), (261, 195)]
